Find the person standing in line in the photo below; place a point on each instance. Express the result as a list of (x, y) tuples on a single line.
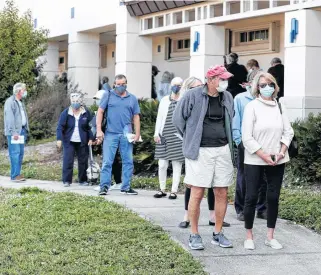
[(74, 135), (266, 135), (253, 68), (116, 170), (239, 72), (240, 101), (164, 88), (105, 84), (204, 118), (277, 70), (155, 72), (190, 83), (16, 125), (168, 144), (122, 111)]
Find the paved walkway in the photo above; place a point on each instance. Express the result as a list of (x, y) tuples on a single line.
[(301, 253)]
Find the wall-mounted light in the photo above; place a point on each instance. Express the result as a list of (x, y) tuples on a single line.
[(159, 48), (196, 41), (294, 29)]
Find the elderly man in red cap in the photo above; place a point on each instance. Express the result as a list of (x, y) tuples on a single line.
[(204, 118)]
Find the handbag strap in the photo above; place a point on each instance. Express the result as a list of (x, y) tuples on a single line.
[(280, 107)]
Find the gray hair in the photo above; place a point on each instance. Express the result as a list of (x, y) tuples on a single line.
[(18, 87), (188, 84), (276, 60), (119, 77)]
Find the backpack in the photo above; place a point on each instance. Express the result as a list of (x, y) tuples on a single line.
[(104, 121)]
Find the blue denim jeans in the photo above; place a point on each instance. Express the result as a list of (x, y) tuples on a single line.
[(16, 152), (110, 146)]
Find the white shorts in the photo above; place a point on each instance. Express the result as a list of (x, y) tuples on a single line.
[(213, 168)]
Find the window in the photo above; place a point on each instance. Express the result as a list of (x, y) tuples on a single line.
[(72, 13), (159, 22), (251, 36), (190, 15), (178, 18), (148, 23), (61, 60), (177, 47), (254, 40)]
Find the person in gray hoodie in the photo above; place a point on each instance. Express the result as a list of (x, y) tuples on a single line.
[(16, 128), (204, 118)]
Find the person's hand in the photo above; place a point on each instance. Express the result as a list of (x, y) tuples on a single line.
[(16, 137), (268, 159), (90, 142), (59, 145), (157, 139), (100, 135), (278, 157), (136, 138)]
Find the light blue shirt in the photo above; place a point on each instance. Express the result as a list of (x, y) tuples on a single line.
[(240, 101)]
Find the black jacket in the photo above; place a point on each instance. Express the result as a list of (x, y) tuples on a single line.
[(278, 72), (240, 76)]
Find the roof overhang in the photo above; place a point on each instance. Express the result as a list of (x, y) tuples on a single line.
[(143, 7)]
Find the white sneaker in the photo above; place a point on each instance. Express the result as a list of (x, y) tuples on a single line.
[(97, 188), (274, 244), (249, 244), (116, 186)]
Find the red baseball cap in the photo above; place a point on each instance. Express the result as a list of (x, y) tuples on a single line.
[(218, 70)]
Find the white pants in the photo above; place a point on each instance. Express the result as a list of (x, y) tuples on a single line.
[(162, 174)]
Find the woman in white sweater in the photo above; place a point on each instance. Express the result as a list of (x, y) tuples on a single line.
[(168, 143), (266, 135)]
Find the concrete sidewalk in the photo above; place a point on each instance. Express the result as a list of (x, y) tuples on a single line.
[(301, 253)]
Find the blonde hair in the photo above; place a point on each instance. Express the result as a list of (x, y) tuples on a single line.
[(187, 84), (269, 78)]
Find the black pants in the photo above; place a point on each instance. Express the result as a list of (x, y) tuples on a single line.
[(116, 170), (240, 189), (210, 198), (82, 152), (253, 177)]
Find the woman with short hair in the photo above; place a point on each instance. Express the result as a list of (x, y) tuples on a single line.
[(266, 136)]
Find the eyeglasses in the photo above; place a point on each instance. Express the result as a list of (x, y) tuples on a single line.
[(214, 118), (272, 85)]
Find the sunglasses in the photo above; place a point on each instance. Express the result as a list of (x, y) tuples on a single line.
[(272, 85)]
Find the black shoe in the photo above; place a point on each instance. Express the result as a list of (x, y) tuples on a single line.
[(240, 217), (129, 192), (160, 194), (184, 224), (225, 224), (172, 196), (262, 215), (103, 191)]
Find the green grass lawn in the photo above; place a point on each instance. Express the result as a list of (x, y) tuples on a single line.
[(64, 233)]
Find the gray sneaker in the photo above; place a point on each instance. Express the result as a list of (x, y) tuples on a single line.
[(195, 242), (220, 240), (85, 183), (66, 184)]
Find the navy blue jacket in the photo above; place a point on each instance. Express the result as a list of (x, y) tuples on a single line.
[(66, 126)]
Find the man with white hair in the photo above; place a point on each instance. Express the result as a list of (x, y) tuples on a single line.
[(16, 128)]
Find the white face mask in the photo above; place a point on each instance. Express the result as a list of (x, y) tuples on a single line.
[(222, 86)]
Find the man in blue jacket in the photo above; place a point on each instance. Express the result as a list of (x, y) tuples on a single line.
[(240, 101)]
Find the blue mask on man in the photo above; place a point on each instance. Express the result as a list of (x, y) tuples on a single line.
[(175, 89), (121, 89)]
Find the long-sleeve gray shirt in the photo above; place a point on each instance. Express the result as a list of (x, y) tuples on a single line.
[(13, 118), (189, 115)]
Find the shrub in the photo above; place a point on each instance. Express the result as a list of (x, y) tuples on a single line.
[(44, 111), (306, 167), (145, 151)]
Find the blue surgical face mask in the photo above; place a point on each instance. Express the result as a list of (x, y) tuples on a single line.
[(267, 91), (76, 105), (121, 89), (175, 89), (97, 101), (24, 95)]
